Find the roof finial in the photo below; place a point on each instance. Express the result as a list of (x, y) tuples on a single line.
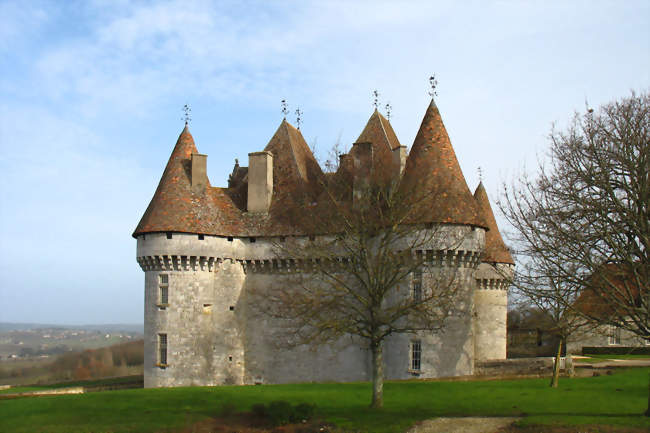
[(433, 83), (388, 110), (480, 174), (186, 117), (375, 93), (298, 118), (285, 109)]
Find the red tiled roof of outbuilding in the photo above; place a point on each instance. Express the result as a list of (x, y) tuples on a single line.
[(495, 249), (433, 170)]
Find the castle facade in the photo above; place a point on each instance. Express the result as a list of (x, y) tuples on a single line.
[(203, 249)]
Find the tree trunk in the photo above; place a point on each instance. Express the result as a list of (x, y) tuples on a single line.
[(556, 366), (377, 349)]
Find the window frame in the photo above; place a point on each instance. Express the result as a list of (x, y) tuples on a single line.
[(162, 352), (416, 285), (614, 336), (415, 356), (163, 291)]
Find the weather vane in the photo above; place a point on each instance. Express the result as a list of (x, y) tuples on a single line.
[(480, 174), (375, 93), (285, 109), (388, 110), (186, 117), (433, 83), (298, 118)]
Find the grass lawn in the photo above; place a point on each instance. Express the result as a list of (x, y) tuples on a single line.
[(619, 399)]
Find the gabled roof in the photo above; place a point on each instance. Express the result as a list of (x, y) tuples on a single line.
[(433, 170), (495, 249)]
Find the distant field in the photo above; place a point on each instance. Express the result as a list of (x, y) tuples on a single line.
[(617, 400), (121, 359)]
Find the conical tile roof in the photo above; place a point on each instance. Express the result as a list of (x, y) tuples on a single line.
[(495, 249), (432, 171), (176, 208)]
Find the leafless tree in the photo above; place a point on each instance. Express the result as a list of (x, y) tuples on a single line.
[(356, 270), (582, 226)]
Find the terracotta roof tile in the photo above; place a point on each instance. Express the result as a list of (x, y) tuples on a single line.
[(176, 208), (495, 249), (379, 132), (432, 166)]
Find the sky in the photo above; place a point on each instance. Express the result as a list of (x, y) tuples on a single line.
[(91, 97)]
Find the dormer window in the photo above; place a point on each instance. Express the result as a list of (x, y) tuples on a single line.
[(169, 235)]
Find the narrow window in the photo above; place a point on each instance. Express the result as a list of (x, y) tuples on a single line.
[(163, 291), (162, 350), (169, 235), (229, 238), (232, 308), (416, 355), (200, 237), (417, 285), (614, 335)]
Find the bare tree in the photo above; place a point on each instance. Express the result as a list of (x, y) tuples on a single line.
[(539, 287), (357, 269), (583, 223)]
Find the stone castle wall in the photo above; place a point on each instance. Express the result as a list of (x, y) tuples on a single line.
[(214, 337)]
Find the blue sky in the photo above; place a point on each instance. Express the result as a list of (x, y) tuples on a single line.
[(91, 95)]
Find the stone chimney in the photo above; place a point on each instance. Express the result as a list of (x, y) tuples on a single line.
[(362, 170), (199, 172), (260, 181), (399, 160)]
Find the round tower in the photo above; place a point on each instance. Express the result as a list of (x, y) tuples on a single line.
[(491, 295), (192, 282)]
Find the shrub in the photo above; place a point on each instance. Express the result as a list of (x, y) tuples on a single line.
[(280, 412), (303, 411), (259, 410)]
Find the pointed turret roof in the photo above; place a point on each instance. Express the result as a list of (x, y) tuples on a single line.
[(495, 249), (433, 172), (176, 208), (293, 162), (379, 132)]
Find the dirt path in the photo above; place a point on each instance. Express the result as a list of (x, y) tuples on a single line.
[(462, 425)]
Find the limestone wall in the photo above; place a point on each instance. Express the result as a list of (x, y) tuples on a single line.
[(215, 337)]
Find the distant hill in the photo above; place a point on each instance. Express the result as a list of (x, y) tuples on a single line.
[(118, 327)]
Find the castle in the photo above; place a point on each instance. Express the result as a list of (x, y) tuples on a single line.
[(204, 248)]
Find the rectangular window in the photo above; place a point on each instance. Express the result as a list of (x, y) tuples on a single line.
[(416, 355), (614, 335), (417, 285), (162, 349), (163, 286)]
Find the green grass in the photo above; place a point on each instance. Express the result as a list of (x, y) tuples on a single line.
[(618, 399)]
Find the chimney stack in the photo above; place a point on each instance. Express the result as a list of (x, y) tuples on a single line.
[(362, 160), (399, 160), (260, 181), (199, 172)]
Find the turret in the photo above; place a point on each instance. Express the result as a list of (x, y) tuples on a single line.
[(492, 281)]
